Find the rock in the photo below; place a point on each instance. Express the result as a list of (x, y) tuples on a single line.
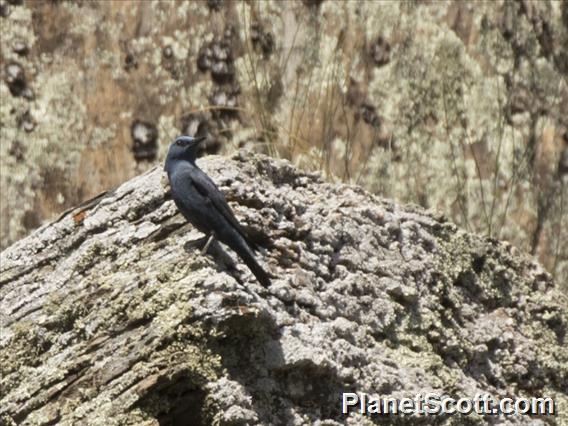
[(108, 318)]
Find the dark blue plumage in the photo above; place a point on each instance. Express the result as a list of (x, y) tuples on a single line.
[(204, 206)]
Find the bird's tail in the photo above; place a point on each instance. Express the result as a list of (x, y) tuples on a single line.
[(247, 256)]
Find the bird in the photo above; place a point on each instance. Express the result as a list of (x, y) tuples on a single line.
[(204, 206)]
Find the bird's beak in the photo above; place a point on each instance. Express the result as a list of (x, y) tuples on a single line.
[(199, 139)]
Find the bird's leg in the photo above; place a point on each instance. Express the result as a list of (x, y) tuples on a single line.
[(191, 245), (208, 243)]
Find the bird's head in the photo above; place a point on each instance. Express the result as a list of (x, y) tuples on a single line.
[(184, 148)]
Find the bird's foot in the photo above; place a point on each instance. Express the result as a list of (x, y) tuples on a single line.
[(208, 243), (193, 244)]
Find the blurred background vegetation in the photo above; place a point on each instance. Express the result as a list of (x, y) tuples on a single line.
[(461, 107)]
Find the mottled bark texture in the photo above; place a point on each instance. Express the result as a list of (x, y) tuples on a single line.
[(457, 105), (110, 315)]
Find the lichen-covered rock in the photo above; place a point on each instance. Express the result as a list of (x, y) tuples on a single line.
[(110, 315), (460, 106)]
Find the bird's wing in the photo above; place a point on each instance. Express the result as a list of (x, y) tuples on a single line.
[(207, 188)]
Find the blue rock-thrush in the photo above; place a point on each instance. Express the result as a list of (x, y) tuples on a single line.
[(204, 206)]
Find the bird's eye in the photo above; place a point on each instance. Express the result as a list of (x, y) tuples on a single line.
[(179, 143)]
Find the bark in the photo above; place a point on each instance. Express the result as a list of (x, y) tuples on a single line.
[(110, 315)]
